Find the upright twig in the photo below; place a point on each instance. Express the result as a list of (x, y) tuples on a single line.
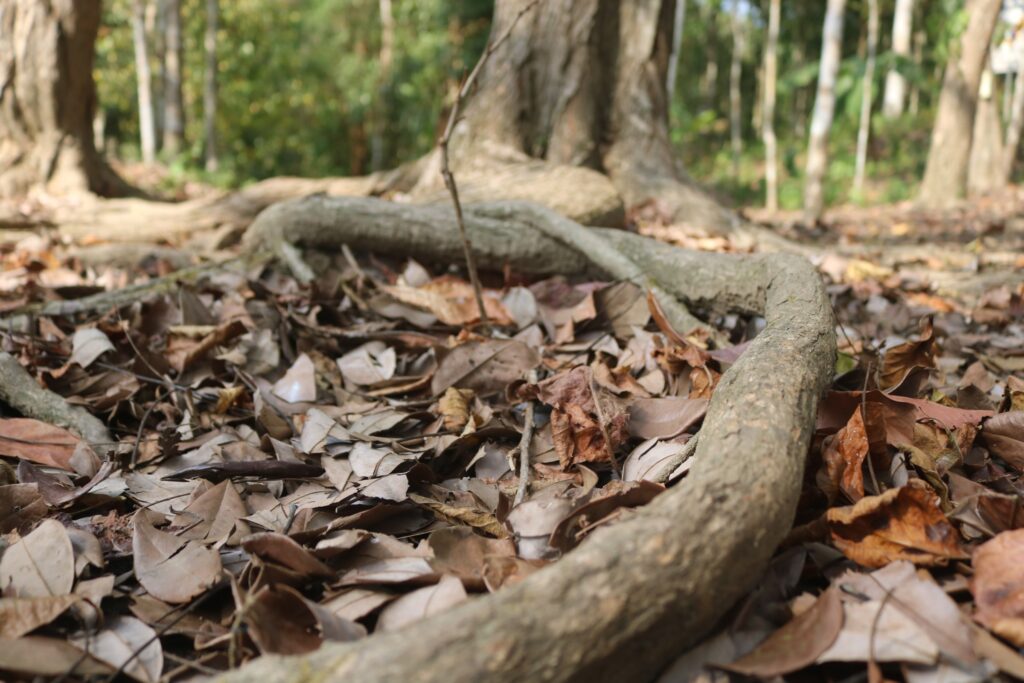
[(446, 173), (524, 448)]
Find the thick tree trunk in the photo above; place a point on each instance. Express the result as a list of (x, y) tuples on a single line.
[(210, 87), (174, 109), (824, 110), (985, 168), (895, 83), (771, 76), (578, 91), (864, 130), (735, 98), (144, 83), (47, 98), (945, 177)]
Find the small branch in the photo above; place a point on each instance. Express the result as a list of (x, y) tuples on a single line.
[(524, 448), (446, 173)]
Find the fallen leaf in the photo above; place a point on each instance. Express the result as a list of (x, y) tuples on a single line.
[(39, 656), (877, 631), (279, 548), (998, 585), (844, 455), (664, 418), (128, 644), (473, 517), (651, 460), (299, 383), (484, 366), (454, 408), (797, 644), (369, 364), (465, 554), (422, 603), (23, 437), (19, 616), (900, 360), (87, 345), (1004, 436), (588, 423), (214, 516), (171, 568), (41, 564), (904, 523), (21, 506), (281, 621)]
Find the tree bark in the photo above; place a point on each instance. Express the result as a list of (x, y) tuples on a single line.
[(945, 176), (771, 75), (735, 98), (47, 99), (678, 24), (864, 129), (384, 59), (210, 87), (824, 110), (634, 594), (985, 168), (895, 83), (144, 83), (1015, 124), (174, 108)]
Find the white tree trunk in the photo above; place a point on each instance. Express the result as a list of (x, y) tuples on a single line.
[(824, 109), (210, 87), (771, 75), (985, 168), (865, 103), (735, 97), (895, 83), (147, 124), (174, 119), (679, 22), (1014, 127)]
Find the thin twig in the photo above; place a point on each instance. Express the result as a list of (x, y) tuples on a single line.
[(446, 173), (524, 448)]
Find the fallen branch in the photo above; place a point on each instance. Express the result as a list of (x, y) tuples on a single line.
[(635, 594), (20, 391)]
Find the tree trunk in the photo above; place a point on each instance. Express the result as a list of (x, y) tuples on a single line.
[(144, 83), (678, 24), (915, 89), (895, 83), (709, 80), (1014, 126), (771, 75), (47, 99), (985, 168), (210, 87), (864, 130), (945, 177), (824, 110), (174, 117), (735, 98), (384, 59), (572, 113)]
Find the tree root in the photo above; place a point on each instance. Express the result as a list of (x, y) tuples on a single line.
[(21, 392), (635, 594)]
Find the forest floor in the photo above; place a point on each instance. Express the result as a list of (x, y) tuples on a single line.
[(287, 464)]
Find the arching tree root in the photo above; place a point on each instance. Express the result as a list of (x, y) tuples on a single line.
[(635, 594)]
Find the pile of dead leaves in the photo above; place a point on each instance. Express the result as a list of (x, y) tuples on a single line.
[(293, 465)]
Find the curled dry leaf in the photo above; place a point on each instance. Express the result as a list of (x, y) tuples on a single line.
[(422, 603), (998, 585), (899, 361), (588, 423), (87, 345), (797, 644), (664, 418), (282, 550), (281, 621), (454, 407), (369, 364), (484, 366), (171, 568), (844, 455), (29, 439), (299, 383), (904, 523), (1004, 436), (128, 644), (41, 564)]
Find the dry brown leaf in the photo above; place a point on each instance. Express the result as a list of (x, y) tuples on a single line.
[(19, 616), (484, 366), (904, 523), (171, 568), (900, 360), (797, 644), (21, 506), (664, 418), (463, 553), (1004, 436), (215, 515), (587, 422), (844, 456), (278, 548), (127, 644), (41, 564), (281, 621), (998, 585), (39, 656), (299, 383), (452, 301), (477, 518), (454, 407), (87, 345), (23, 437), (422, 603)]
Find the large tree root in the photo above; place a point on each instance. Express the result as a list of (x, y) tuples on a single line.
[(635, 594)]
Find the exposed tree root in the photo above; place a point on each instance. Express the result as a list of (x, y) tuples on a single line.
[(21, 392), (637, 593)]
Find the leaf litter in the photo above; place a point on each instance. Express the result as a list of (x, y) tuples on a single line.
[(302, 464)]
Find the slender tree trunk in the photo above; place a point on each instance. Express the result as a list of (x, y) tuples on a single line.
[(799, 117), (945, 177), (156, 28), (47, 99), (384, 59), (1015, 124), (709, 81), (1008, 86), (985, 168), (144, 83), (174, 117), (678, 24), (864, 130), (895, 83), (915, 90), (824, 109), (210, 87), (735, 97), (771, 75)]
